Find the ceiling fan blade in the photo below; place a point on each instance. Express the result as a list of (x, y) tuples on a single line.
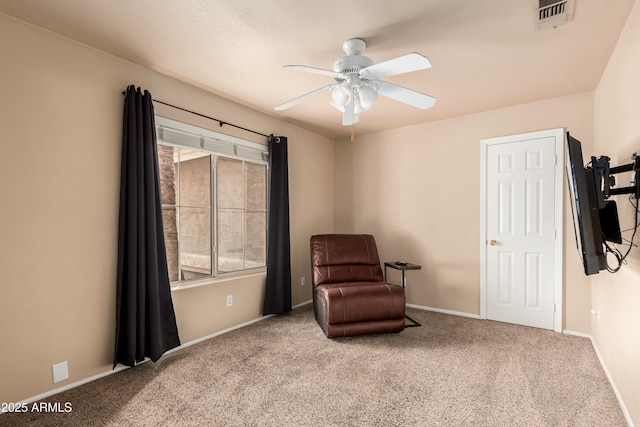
[(294, 101), (408, 96), (350, 117), (403, 64), (315, 70)]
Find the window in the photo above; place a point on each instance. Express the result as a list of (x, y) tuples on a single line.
[(214, 201)]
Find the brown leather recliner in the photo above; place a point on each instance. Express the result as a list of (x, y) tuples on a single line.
[(349, 294)]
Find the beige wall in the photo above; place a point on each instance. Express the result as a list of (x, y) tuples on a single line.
[(417, 190), (617, 296), (61, 119)]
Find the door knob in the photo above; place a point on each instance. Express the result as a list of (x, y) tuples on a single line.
[(493, 243)]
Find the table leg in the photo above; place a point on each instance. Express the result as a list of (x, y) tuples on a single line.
[(415, 322)]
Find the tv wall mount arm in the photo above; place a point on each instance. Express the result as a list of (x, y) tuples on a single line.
[(604, 175)]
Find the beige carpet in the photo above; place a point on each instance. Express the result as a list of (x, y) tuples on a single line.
[(453, 371)]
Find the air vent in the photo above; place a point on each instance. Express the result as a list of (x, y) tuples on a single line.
[(552, 13)]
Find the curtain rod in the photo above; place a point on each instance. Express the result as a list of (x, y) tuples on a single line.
[(221, 122)]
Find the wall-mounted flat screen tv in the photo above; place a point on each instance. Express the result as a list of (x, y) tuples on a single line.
[(584, 204)]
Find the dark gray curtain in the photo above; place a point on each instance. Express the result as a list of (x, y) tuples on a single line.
[(278, 293), (145, 320)]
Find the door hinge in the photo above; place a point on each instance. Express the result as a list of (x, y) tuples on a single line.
[(554, 307)]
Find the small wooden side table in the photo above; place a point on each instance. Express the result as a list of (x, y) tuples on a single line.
[(402, 266)]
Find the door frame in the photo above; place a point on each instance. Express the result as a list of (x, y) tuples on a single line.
[(558, 274)]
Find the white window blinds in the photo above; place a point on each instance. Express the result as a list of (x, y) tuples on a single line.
[(183, 135)]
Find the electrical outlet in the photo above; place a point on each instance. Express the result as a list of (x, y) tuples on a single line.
[(302, 281), (60, 372), (229, 300)]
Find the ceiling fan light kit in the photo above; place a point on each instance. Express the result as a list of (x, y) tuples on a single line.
[(358, 82), (341, 95)]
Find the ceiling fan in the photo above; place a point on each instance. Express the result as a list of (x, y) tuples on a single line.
[(358, 82)]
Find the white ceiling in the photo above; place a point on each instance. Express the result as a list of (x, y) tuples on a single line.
[(485, 54)]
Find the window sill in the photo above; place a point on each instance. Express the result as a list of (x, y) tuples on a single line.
[(213, 280)]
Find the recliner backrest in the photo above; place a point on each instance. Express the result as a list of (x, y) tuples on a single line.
[(339, 258)]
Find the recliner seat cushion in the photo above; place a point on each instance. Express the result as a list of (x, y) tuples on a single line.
[(361, 301)]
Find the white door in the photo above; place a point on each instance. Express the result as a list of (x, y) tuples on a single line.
[(522, 212)]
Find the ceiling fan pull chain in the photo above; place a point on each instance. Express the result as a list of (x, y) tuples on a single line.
[(353, 135)]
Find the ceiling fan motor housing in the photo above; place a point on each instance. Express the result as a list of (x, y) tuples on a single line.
[(351, 64), (354, 61)]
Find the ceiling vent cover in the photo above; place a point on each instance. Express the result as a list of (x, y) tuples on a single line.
[(552, 13)]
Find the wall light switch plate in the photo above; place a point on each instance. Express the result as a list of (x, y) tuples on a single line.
[(229, 300)]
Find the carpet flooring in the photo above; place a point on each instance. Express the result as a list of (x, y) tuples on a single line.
[(452, 371)]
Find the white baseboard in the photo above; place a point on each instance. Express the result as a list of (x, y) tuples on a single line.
[(577, 334), (625, 412), (606, 371), (215, 334), (567, 332), (74, 385), (242, 325), (121, 368), (439, 310), (302, 304)]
